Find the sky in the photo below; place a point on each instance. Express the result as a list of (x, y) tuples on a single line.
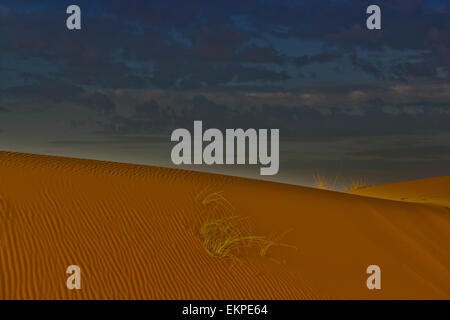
[(349, 102)]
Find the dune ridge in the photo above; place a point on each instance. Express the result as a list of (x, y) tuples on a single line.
[(429, 191), (132, 231)]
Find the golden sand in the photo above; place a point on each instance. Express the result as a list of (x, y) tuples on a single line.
[(134, 232)]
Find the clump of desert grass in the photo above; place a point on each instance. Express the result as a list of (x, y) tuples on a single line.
[(223, 237), (274, 242), (356, 184), (323, 182), (227, 235)]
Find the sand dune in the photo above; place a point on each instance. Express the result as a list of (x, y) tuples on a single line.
[(133, 230), (430, 191)]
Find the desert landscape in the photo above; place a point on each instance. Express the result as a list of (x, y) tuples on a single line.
[(142, 232)]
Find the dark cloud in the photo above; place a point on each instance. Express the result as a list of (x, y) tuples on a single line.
[(114, 140), (373, 118), (98, 102), (46, 89), (318, 58), (432, 152), (259, 54), (364, 65), (409, 70), (201, 44), (182, 74)]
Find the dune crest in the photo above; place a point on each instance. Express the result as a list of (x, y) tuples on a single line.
[(132, 229), (428, 191)]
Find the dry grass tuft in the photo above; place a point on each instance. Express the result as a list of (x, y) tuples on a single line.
[(224, 234), (224, 237), (356, 184), (322, 182), (275, 242), (325, 183)]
